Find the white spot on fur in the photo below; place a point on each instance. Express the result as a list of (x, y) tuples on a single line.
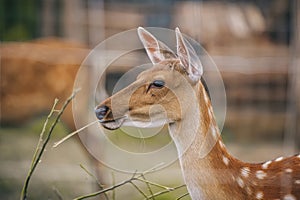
[(245, 172), (260, 174), (298, 155), (266, 165), (279, 159), (297, 182), (259, 195), (240, 182), (289, 197), (288, 170), (225, 160)]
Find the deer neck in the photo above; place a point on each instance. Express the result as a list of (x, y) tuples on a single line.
[(205, 163)]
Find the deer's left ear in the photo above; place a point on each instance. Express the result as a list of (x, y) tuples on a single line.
[(188, 57)]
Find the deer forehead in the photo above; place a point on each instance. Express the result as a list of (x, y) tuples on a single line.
[(163, 67)]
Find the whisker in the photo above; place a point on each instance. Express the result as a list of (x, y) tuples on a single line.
[(73, 133)]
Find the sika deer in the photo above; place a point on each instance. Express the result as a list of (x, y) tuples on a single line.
[(174, 83)]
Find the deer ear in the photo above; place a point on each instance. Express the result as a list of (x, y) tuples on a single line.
[(156, 50), (188, 57)]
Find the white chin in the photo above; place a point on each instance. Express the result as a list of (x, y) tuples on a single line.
[(112, 125), (151, 124)]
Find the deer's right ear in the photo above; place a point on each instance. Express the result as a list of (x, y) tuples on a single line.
[(156, 50)]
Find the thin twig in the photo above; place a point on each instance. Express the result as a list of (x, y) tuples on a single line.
[(39, 151), (148, 186), (155, 184), (103, 191), (138, 189), (153, 168), (58, 194), (37, 155), (95, 179), (165, 191), (182, 196), (73, 133), (123, 183), (133, 178), (43, 132)]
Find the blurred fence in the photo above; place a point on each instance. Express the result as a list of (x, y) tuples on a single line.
[(251, 50)]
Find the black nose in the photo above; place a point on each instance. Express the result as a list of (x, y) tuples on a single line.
[(101, 112)]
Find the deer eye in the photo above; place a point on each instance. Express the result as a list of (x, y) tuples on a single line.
[(158, 83)]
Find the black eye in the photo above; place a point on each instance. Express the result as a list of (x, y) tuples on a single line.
[(158, 83)]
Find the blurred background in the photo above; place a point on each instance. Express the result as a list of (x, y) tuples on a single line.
[(255, 44)]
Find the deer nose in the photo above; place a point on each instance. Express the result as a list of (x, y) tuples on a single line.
[(101, 111)]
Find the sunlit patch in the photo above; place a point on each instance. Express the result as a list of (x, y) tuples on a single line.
[(260, 174), (240, 182), (245, 171), (289, 197), (266, 164), (259, 195), (279, 159), (225, 160)]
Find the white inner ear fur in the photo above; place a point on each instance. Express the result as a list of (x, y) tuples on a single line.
[(151, 45), (157, 51)]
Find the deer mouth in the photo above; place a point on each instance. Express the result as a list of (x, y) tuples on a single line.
[(113, 124)]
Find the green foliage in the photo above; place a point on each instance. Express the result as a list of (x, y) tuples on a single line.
[(17, 32), (19, 19)]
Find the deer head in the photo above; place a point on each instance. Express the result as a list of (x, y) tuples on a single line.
[(160, 95)]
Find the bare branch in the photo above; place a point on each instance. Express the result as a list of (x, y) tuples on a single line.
[(41, 146), (104, 190), (131, 181)]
